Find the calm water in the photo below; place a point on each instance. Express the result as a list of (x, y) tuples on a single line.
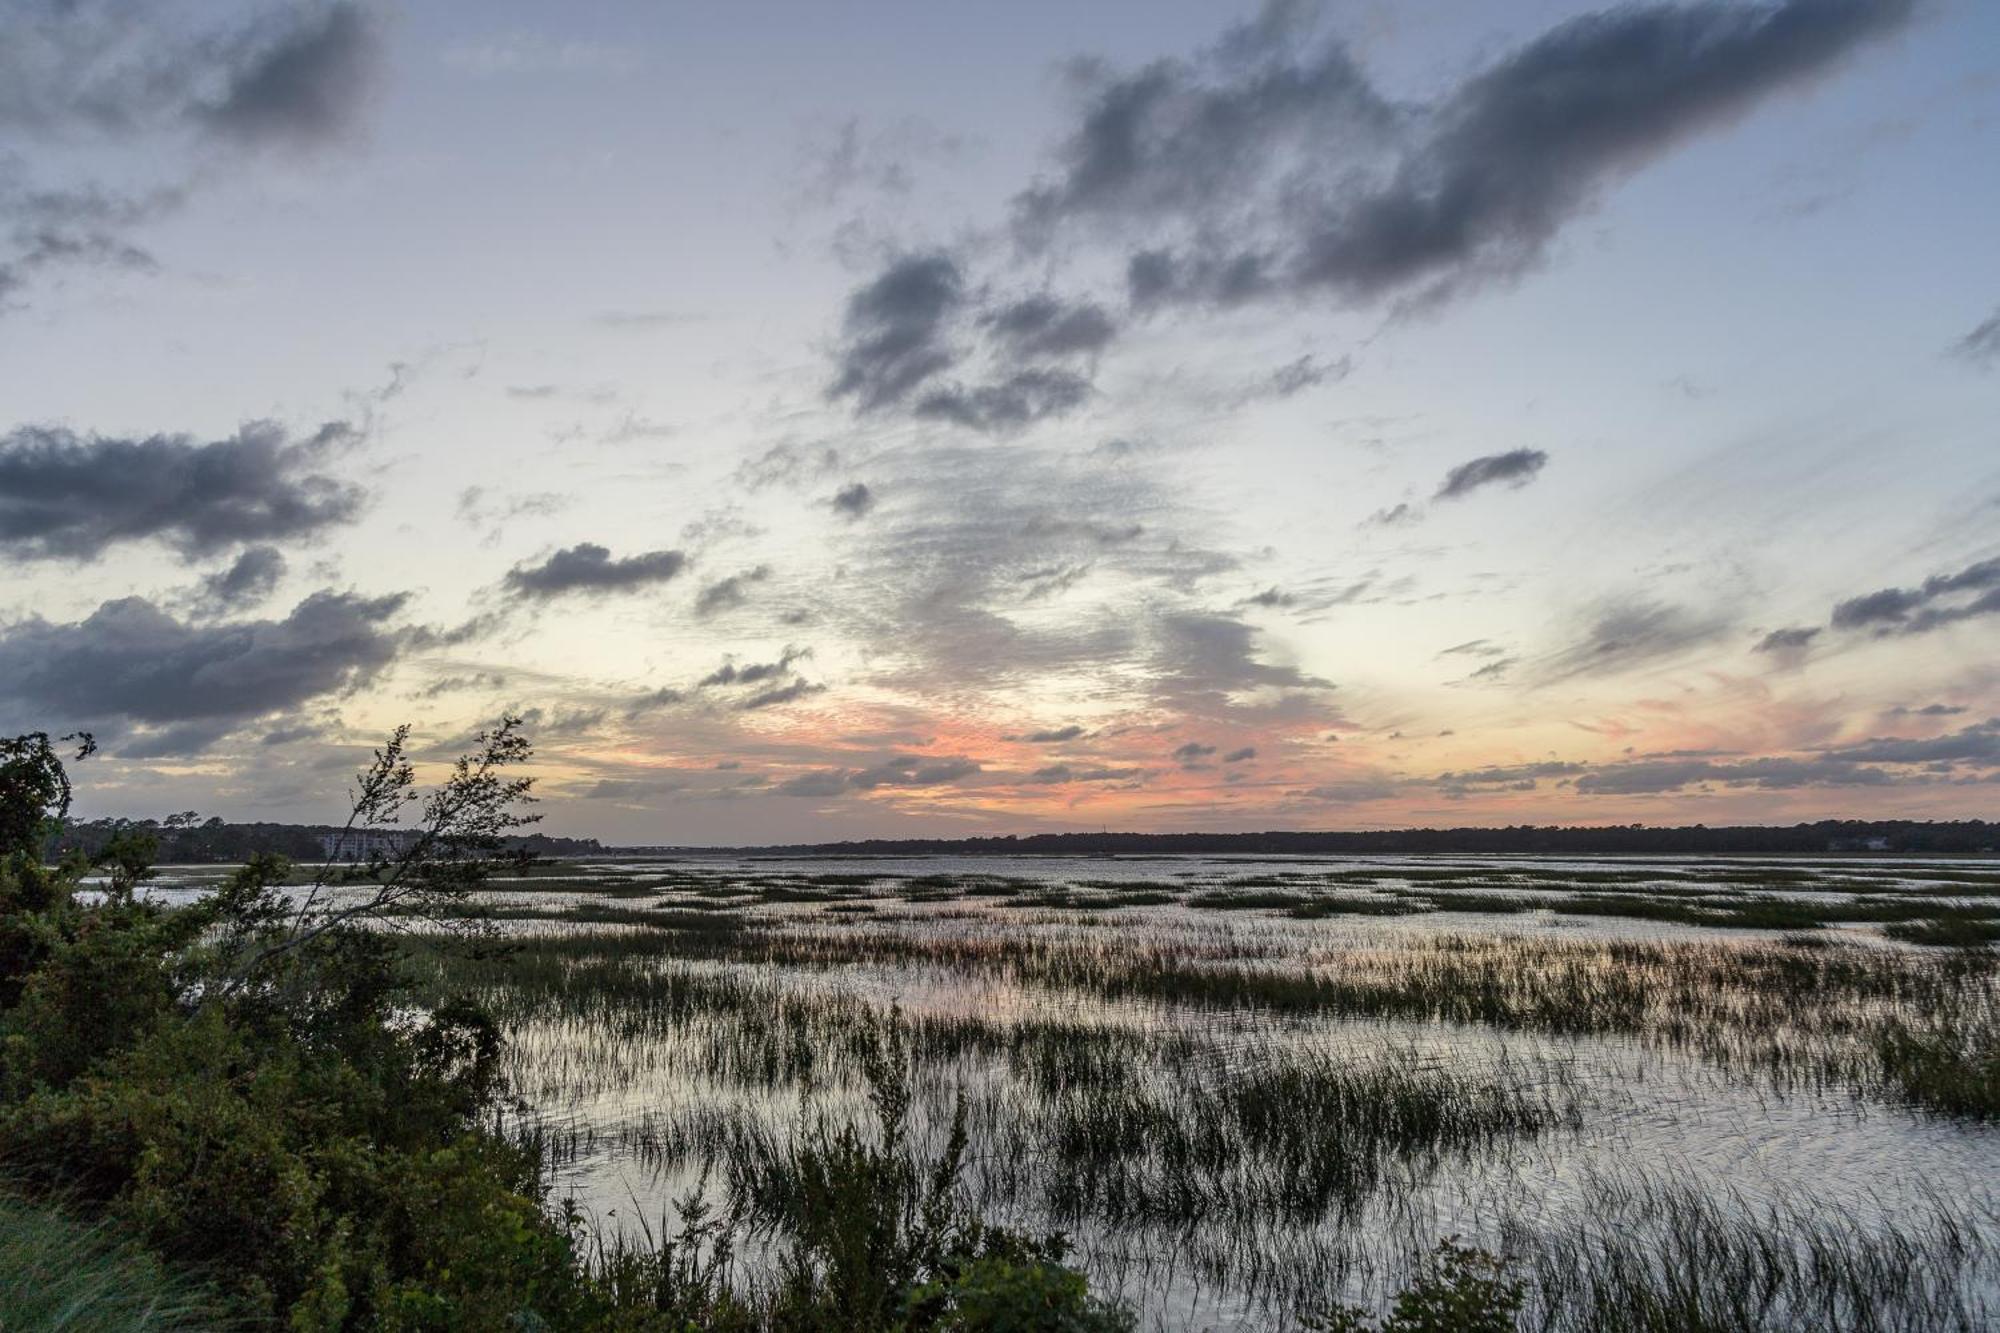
[(632, 1102)]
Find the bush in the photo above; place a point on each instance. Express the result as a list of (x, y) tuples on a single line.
[(1459, 1290), (241, 1089)]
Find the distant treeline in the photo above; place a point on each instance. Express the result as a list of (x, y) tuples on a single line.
[(183, 842), (1829, 835)]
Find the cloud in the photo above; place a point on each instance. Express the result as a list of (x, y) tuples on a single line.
[(589, 568), (779, 694), (1046, 326), (1197, 652), (1241, 756), (1624, 635), (1928, 710), (1272, 168), (727, 594), (1650, 777), (1784, 641), (896, 771), (92, 67), (911, 771), (1942, 599), (1981, 347), (1009, 404), (1516, 468), (1057, 774), (65, 496), (1295, 377), (1978, 743), (827, 782), (303, 87), (754, 672), (853, 500), (1397, 516), (1192, 752), (89, 75), (252, 578), (914, 322), (897, 330), (1053, 736), (129, 661)]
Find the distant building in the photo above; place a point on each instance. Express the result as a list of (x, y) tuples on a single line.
[(367, 844), (1858, 845)]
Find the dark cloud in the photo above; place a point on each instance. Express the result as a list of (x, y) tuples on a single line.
[(1008, 404), (1940, 600), (898, 328), (853, 500), (827, 782), (1651, 777), (108, 68), (754, 673), (1981, 347), (176, 742), (102, 70), (912, 771), (896, 771), (1179, 141), (1787, 640), (664, 697), (130, 661), (1978, 744), (69, 496), (779, 694), (252, 578), (589, 568), (1625, 635), (909, 326), (1046, 326), (1056, 774), (1192, 752), (1516, 467), (1275, 168), (1296, 377), (1053, 736), (1273, 598), (302, 87), (727, 594), (1202, 652), (1507, 775), (1243, 755), (632, 789), (1928, 710)]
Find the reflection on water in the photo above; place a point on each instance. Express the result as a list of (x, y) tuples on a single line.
[(1247, 1085)]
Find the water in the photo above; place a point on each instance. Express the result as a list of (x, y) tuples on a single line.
[(1718, 1095)]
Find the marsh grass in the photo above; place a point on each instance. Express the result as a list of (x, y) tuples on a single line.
[(1241, 1088), (1645, 1254), (59, 1273)]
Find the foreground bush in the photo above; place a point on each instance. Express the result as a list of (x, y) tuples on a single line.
[(241, 1088)]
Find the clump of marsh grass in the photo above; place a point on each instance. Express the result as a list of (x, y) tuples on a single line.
[(59, 1273), (1649, 1255)]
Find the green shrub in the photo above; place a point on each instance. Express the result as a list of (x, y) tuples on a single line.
[(1459, 1290)]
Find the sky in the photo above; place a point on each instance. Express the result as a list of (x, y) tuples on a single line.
[(897, 419)]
